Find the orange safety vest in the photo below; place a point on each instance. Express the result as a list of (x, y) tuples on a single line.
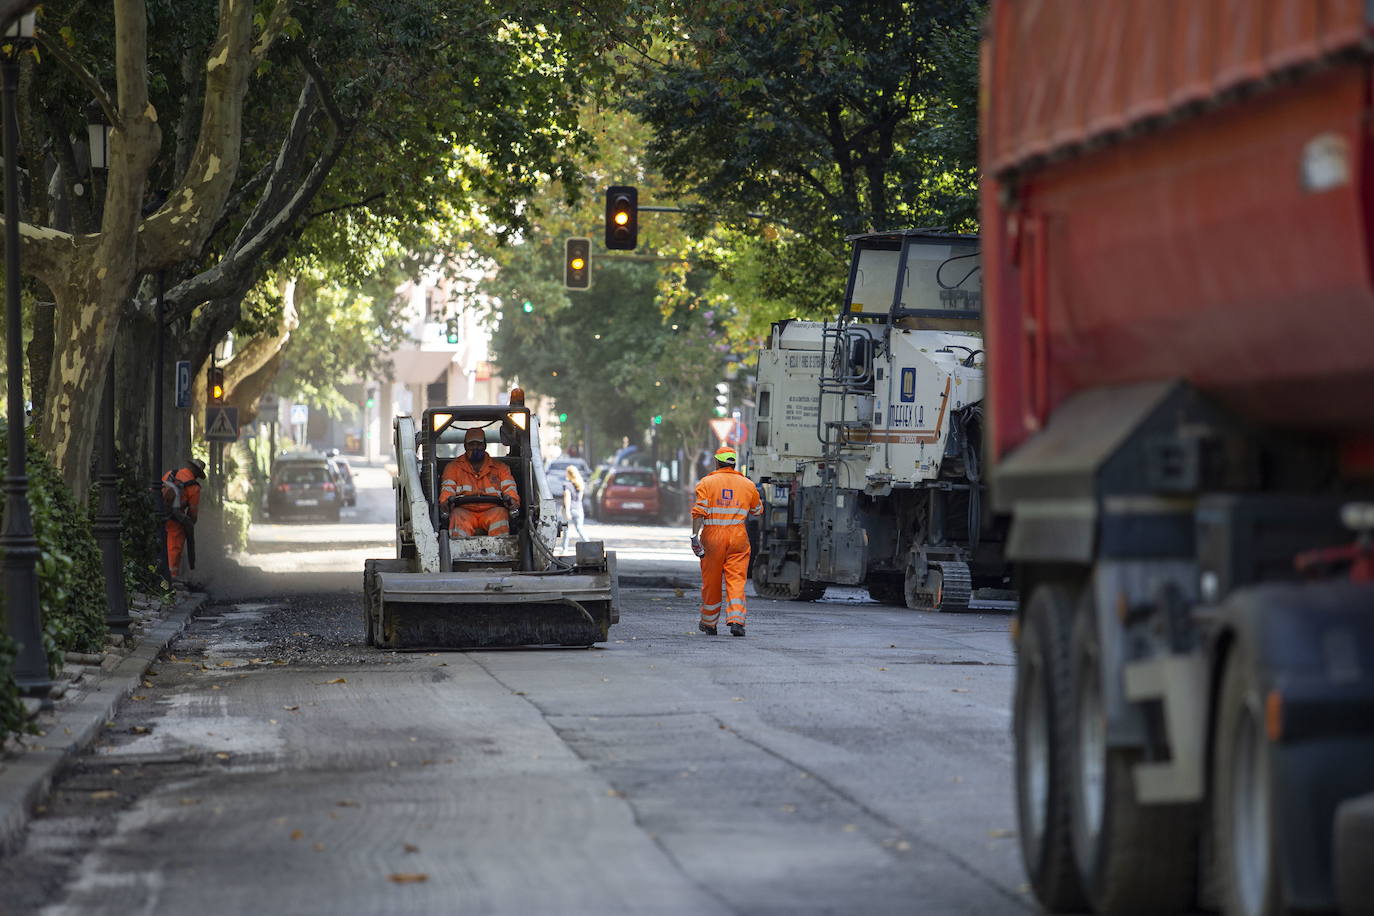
[(494, 480)]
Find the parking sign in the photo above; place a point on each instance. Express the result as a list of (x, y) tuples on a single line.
[(183, 387)]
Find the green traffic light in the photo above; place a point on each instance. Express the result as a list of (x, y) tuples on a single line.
[(563, 417), (720, 411), (658, 419), (528, 306)]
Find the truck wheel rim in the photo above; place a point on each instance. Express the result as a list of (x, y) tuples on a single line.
[(1250, 821), (1035, 760), (1092, 750)]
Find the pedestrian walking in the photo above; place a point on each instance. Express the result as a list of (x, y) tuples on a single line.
[(181, 497), (724, 499), (574, 510)]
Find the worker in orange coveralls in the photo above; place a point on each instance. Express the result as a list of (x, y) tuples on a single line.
[(475, 474), (181, 495), (724, 499)]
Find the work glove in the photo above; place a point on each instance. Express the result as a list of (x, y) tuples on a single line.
[(696, 546)]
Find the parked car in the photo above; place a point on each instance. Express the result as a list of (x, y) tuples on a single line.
[(592, 500), (557, 473), (630, 492), (304, 483), (350, 488)]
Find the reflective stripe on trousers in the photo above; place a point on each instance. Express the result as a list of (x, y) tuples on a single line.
[(727, 558)]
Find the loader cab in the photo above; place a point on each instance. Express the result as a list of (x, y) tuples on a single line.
[(507, 430)]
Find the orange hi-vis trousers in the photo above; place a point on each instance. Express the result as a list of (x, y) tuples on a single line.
[(176, 547), (727, 557), (467, 521)]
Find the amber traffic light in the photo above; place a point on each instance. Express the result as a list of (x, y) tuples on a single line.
[(622, 217), (214, 384), (577, 264)]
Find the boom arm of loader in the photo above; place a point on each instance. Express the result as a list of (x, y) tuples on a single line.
[(422, 531)]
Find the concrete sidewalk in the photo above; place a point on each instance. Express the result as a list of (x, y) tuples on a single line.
[(89, 697)]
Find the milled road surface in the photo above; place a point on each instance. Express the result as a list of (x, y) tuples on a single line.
[(845, 757)]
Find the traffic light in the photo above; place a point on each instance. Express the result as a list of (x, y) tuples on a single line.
[(563, 417), (722, 398), (451, 331), (622, 218), (577, 264), (658, 419), (528, 306), (214, 384), (371, 397)]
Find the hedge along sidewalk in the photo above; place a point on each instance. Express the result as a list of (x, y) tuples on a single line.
[(26, 776)]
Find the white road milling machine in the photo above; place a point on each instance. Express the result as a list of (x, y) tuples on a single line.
[(868, 431), (442, 592)]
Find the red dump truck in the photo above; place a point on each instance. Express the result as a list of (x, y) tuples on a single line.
[(1178, 226)]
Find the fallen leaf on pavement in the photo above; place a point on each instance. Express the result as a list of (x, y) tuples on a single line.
[(222, 755), (1001, 834), (403, 877), (291, 708), (882, 669), (190, 801), (615, 793), (226, 664), (410, 847), (104, 794), (297, 834), (139, 729), (147, 683), (272, 721), (960, 690), (348, 803), (318, 847), (138, 696), (337, 680)]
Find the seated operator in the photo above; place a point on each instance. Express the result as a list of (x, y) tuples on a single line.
[(475, 474)]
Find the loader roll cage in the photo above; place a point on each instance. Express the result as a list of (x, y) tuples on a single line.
[(448, 426)]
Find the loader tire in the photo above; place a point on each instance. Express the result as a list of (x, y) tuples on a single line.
[(1040, 723), (1243, 823), (1132, 858)]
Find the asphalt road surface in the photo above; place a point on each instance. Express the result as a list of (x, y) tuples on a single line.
[(845, 757)]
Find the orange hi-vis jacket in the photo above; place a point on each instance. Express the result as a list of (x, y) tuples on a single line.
[(494, 480), (725, 498), (181, 492)]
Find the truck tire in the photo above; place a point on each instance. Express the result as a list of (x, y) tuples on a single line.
[(1040, 726), (1132, 858), (1247, 866)]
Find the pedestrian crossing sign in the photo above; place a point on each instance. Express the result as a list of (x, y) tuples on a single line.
[(222, 424)]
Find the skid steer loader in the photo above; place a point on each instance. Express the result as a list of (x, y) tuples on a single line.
[(443, 592)]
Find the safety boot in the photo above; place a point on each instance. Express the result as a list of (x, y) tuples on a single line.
[(707, 629), (736, 629)]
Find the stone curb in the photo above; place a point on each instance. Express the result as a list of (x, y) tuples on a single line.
[(25, 781)]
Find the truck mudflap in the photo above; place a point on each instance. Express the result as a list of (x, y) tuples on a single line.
[(482, 609)]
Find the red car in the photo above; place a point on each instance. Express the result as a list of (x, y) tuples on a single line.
[(630, 493)]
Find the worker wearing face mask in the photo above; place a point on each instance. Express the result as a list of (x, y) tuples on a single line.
[(478, 490)]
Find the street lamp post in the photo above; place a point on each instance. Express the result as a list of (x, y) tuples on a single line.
[(107, 521), (23, 615)]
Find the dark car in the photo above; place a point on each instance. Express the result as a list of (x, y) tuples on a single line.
[(557, 473), (630, 492), (350, 488), (304, 484)]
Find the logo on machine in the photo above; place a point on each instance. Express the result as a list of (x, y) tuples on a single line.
[(908, 384), (727, 494)]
